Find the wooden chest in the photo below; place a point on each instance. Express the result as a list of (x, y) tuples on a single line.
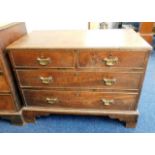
[(10, 104), (91, 72)]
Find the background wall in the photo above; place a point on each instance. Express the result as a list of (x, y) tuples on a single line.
[(72, 14), (52, 24)]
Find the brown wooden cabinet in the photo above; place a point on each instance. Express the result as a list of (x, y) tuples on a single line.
[(80, 72), (146, 31), (10, 105)]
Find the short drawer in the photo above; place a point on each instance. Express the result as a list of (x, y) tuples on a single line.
[(98, 59), (6, 103), (82, 99), (51, 78), (4, 87), (43, 58)]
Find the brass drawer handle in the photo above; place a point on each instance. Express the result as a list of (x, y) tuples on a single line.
[(109, 82), (107, 102), (51, 100), (111, 61), (46, 80), (44, 61)]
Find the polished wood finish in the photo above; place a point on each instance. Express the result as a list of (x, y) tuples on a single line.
[(93, 73), (53, 58), (95, 58), (81, 79), (113, 39), (9, 100), (82, 99)]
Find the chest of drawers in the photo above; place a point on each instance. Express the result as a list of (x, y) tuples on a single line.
[(80, 72), (10, 104), (6, 101)]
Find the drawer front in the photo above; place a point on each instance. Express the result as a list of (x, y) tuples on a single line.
[(3, 84), (6, 103), (98, 59), (75, 99), (43, 58), (107, 80)]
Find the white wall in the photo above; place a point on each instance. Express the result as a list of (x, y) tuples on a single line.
[(47, 14), (72, 14), (52, 24)]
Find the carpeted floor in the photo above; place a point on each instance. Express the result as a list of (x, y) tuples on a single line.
[(59, 123)]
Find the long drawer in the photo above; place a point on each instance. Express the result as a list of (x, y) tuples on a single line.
[(4, 87), (82, 99), (97, 59), (43, 58), (51, 78), (6, 102)]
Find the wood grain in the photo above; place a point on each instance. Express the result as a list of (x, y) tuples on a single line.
[(77, 71), (81, 39), (9, 100), (80, 79), (95, 58), (58, 58), (76, 99)]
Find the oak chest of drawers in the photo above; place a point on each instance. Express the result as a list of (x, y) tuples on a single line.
[(80, 72), (10, 104)]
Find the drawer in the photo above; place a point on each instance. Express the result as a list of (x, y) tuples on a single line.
[(4, 87), (99, 58), (80, 99), (43, 58), (6, 103), (51, 78)]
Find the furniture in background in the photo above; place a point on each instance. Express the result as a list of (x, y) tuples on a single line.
[(104, 25), (80, 72), (10, 104), (146, 31), (144, 28)]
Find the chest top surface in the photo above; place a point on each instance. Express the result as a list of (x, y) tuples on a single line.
[(82, 39)]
